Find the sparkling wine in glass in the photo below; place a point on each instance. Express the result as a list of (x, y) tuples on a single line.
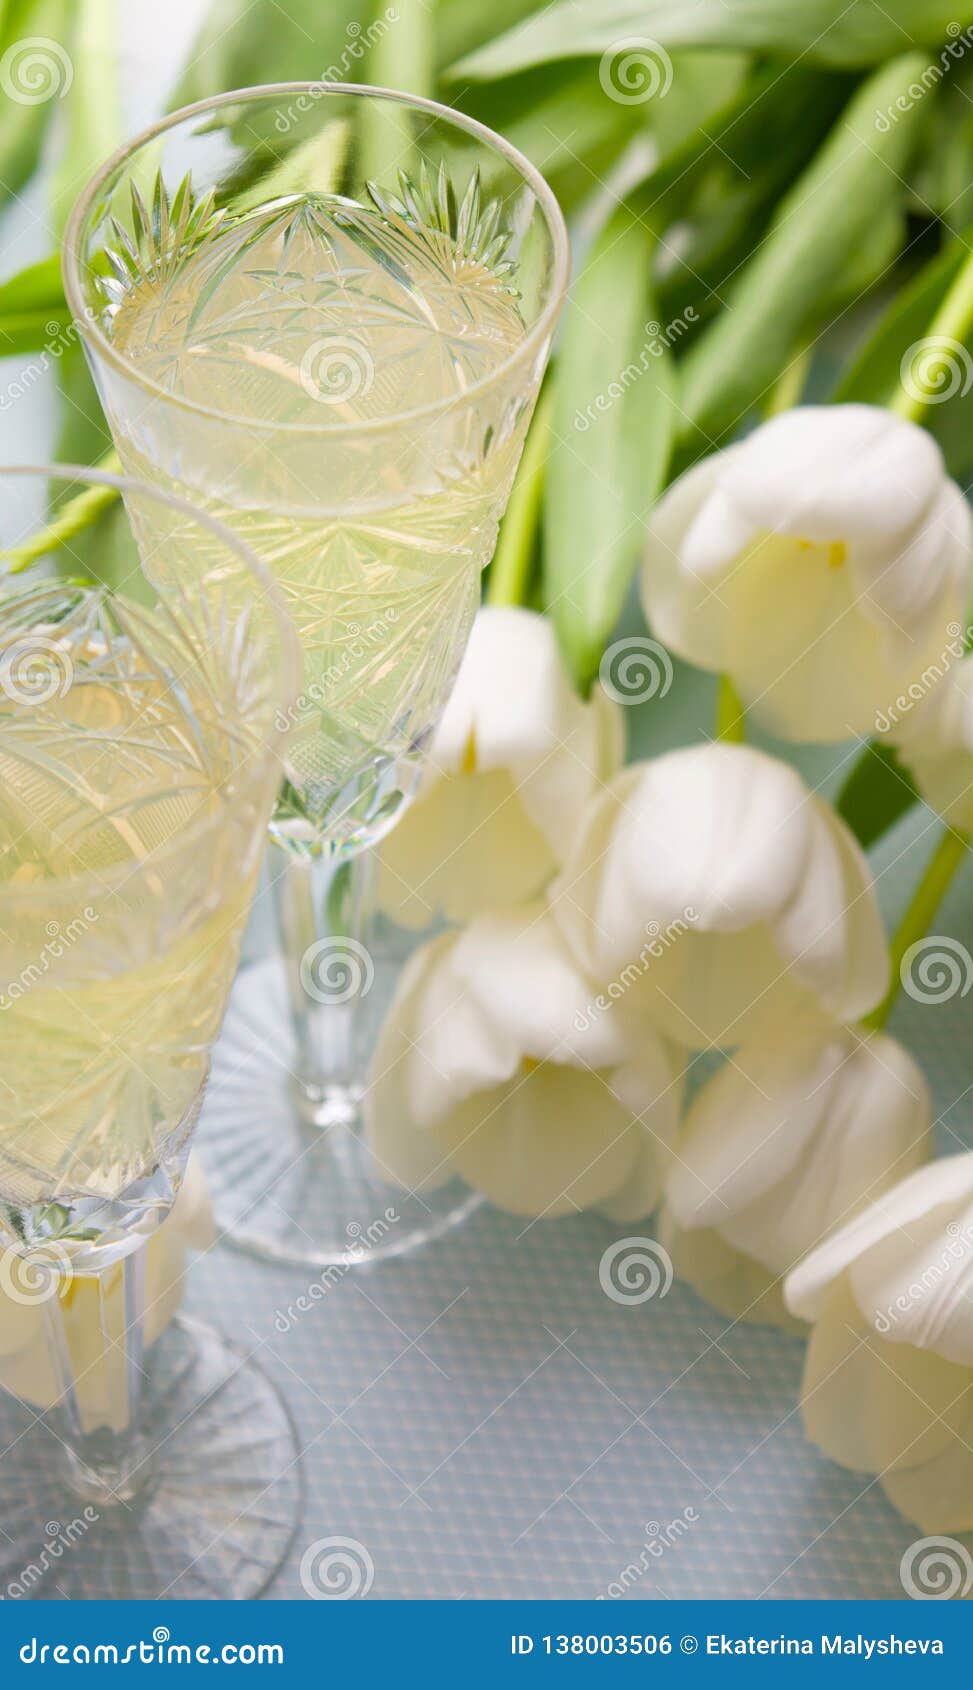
[(139, 761), (324, 312)]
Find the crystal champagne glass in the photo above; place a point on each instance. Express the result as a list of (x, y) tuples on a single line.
[(139, 762), (323, 313)]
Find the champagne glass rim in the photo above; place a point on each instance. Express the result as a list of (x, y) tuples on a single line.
[(534, 338), (291, 662)]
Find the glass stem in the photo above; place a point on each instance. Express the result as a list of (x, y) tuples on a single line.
[(98, 1388), (325, 911)]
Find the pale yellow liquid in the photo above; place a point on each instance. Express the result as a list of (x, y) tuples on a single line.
[(319, 313), (113, 975)]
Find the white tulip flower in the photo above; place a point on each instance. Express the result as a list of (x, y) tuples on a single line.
[(512, 766), (803, 1126), (732, 1282), (818, 563), (493, 1064), (935, 741), (26, 1368), (709, 887), (888, 1380)]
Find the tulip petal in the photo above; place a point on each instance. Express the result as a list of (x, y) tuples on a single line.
[(556, 1141), (465, 844), (933, 729), (945, 1186), (488, 1067), (682, 608), (938, 1495), (651, 1086), (795, 1134), (871, 1405), (875, 1129), (843, 958), (832, 472), (512, 765), (749, 1125), (191, 1215), (512, 698), (819, 563), (717, 535), (901, 590), (517, 969), (706, 884), (916, 1286), (406, 1153), (739, 1287)]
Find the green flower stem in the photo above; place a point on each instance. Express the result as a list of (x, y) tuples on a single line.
[(731, 717), (405, 57), (953, 321), (789, 386), (510, 571), (73, 518), (929, 894)]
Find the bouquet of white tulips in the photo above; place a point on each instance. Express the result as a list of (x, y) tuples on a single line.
[(662, 985)]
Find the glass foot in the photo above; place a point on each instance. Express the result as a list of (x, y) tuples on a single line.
[(290, 1180), (217, 1511)]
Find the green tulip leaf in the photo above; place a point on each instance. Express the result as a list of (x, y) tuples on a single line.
[(876, 371), (37, 51), (613, 426), (828, 31), (93, 127), (852, 181), (34, 314)]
